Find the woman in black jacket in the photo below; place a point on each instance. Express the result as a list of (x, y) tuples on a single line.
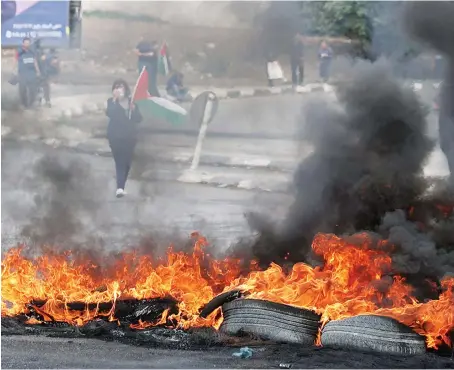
[(124, 117)]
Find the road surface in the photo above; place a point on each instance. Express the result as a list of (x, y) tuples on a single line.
[(160, 206), (37, 352), (163, 205)]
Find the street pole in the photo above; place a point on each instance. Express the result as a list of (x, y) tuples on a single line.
[(202, 132), (209, 111)]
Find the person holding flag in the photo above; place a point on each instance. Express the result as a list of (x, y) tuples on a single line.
[(124, 117), (156, 107), (147, 53)]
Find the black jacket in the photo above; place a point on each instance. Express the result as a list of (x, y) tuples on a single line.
[(297, 52), (120, 125)]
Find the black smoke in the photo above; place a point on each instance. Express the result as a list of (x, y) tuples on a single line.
[(62, 189), (365, 173), (367, 160), (431, 23), (276, 25)]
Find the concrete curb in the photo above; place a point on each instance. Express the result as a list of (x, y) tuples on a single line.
[(241, 93), (234, 182), (247, 162), (96, 103), (100, 147), (273, 183)]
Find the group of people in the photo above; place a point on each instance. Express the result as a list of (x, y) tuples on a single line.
[(148, 58), (297, 59), (35, 68), (124, 116)]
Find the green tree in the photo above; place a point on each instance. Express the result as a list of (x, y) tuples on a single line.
[(337, 18), (374, 24)]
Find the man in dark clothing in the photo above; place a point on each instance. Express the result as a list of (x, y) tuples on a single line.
[(297, 60), (148, 57), (175, 86), (28, 73)]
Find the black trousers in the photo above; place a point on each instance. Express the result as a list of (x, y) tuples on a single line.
[(28, 88), (325, 69), (123, 153), (297, 72)]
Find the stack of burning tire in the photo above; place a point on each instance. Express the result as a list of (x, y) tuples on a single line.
[(373, 333), (274, 321), (288, 324)]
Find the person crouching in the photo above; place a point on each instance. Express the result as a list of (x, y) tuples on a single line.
[(175, 87), (124, 117)]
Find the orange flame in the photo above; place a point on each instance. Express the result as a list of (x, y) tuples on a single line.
[(356, 278)]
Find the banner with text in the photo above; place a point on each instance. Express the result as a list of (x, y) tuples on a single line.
[(44, 20)]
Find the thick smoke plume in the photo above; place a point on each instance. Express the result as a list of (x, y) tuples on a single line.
[(364, 174), (431, 23), (367, 158), (61, 191), (67, 215)]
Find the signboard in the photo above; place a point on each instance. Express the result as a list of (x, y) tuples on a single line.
[(199, 112), (46, 20)]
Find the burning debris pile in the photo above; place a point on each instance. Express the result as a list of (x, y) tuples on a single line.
[(135, 291), (367, 235)]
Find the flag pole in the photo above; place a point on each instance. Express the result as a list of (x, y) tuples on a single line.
[(135, 89)]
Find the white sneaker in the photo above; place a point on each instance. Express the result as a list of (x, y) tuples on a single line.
[(120, 193)]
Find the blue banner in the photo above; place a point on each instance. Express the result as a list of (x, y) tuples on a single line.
[(44, 20)]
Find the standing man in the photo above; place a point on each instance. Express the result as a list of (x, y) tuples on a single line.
[(28, 73), (297, 60), (325, 56), (147, 54)]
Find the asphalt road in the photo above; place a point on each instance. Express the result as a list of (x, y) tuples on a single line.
[(38, 352), (160, 207), (252, 130)]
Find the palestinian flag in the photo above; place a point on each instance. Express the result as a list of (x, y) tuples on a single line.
[(154, 106), (164, 60)]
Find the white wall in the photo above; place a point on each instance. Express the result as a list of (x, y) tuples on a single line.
[(202, 13)]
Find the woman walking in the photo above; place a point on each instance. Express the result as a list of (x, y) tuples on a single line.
[(124, 117)]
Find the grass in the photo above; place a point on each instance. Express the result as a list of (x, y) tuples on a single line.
[(120, 15)]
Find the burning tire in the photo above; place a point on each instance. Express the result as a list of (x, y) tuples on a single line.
[(373, 333), (268, 320)]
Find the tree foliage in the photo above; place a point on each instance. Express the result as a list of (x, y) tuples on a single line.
[(374, 24), (337, 18)]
